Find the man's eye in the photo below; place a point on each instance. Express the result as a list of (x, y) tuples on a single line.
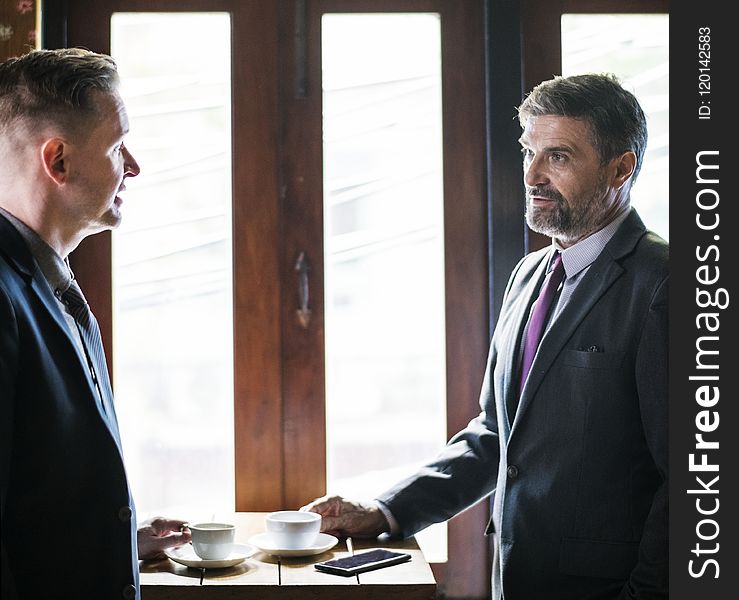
[(558, 156), (526, 152)]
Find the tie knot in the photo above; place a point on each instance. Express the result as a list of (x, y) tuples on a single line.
[(556, 273), (73, 296), (557, 264)]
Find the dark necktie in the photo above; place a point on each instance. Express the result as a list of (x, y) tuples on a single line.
[(90, 333), (539, 316)]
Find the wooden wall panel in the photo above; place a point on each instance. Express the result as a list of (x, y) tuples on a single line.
[(19, 31)]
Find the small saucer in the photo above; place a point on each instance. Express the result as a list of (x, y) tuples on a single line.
[(323, 542), (185, 555)]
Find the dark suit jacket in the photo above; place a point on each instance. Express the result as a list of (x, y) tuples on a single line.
[(68, 523), (579, 481)]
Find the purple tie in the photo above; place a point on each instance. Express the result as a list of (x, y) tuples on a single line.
[(539, 316)]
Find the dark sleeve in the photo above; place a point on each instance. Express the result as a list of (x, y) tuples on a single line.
[(8, 368), (649, 579)]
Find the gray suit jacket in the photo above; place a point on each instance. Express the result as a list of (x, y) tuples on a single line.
[(579, 481)]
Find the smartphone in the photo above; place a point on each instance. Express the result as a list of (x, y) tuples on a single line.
[(364, 561)]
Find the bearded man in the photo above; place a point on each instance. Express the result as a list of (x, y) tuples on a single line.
[(571, 440)]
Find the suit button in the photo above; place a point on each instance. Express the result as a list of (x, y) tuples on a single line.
[(512, 471), (125, 514), (129, 592)]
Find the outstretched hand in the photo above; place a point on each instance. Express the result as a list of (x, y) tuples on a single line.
[(156, 535), (349, 518)]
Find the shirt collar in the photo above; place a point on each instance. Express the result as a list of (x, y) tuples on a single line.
[(582, 254), (55, 269)]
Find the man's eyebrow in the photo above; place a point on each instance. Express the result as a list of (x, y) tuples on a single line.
[(556, 148), (562, 148)]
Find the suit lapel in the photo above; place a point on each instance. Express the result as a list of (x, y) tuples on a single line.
[(18, 253), (105, 410), (600, 276), (42, 290)]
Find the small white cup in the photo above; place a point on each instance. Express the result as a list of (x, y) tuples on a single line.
[(212, 541), (293, 529)]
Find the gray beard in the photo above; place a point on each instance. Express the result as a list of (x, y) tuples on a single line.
[(563, 222)]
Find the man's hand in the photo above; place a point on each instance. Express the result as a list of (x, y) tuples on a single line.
[(156, 535), (349, 518)]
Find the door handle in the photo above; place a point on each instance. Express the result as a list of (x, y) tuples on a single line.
[(302, 268)]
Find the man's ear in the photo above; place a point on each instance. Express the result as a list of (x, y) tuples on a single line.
[(625, 165), (54, 159)]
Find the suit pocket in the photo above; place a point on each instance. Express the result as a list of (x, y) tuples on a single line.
[(593, 360), (590, 558)]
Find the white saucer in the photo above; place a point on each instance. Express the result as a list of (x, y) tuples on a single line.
[(185, 555), (323, 542)]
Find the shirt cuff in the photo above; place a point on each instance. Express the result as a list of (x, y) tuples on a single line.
[(394, 527)]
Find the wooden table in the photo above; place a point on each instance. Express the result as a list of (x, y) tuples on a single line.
[(266, 577)]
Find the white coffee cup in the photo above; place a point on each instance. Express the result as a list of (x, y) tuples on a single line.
[(212, 541), (293, 529)]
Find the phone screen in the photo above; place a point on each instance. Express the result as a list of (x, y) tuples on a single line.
[(364, 561)]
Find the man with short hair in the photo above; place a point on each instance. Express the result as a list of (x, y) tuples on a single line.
[(572, 437), (68, 520)]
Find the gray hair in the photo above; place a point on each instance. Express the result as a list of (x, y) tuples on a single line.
[(613, 114)]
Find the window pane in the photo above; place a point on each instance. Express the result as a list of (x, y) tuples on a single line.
[(172, 263), (634, 48), (384, 271)]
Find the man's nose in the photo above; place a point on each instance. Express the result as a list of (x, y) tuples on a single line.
[(130, 166), (534, 173)]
